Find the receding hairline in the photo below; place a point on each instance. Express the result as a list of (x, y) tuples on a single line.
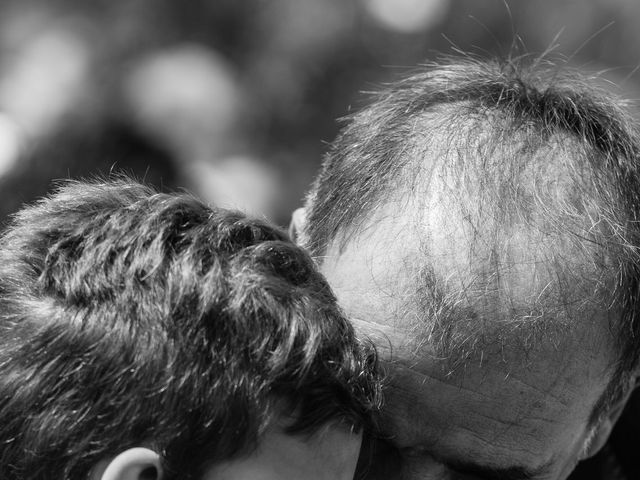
[(472, 147), (419, 193), (557, 98)]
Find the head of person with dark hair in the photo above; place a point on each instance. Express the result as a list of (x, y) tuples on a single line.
[(479, 221), (146, 335)]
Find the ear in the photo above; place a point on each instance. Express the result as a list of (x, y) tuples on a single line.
[(297, 224), (132, 464), (599, 434)]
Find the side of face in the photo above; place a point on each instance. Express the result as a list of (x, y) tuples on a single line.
[(330, 454), (508, 412)]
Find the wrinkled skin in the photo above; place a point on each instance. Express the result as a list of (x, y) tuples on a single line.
[(462, 426)]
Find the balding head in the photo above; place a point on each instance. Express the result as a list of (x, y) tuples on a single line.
[(485, 214)]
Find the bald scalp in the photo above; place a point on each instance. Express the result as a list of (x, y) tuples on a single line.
[(526, 182), (380, 142), (512, 238)]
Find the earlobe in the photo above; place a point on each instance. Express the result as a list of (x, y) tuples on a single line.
[(132, 464), (297, 224)]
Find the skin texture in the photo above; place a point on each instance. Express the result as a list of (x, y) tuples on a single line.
[(330, 454), (515, 409)]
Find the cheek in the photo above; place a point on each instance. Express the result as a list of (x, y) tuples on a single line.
[(328, 455)]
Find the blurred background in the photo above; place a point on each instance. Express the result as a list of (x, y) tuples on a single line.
[(237, 100)]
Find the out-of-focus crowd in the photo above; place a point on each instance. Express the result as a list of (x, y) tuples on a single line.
[(236, 100)]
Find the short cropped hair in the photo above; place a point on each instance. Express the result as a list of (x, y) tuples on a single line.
[(132, 318), (508, 127)]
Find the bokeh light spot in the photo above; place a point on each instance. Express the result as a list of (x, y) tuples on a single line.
[(10, 143), (407, 16)]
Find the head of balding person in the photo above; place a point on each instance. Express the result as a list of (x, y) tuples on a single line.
[(478, 221)]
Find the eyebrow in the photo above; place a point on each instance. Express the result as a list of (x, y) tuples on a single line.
[(484, 472)]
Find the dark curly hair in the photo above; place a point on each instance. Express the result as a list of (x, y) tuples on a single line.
[(128, 316)]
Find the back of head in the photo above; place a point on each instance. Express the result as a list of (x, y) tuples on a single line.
[(134, 318), (523, 179)]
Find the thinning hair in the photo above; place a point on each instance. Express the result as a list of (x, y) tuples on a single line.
[(130, 318), (521, 149)]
